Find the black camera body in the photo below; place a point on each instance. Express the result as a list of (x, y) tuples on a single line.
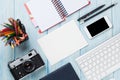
[(25, 65)]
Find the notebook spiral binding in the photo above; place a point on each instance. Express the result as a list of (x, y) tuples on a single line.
[(60, 8)]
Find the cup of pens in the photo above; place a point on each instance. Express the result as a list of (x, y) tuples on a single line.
[(13, 33)]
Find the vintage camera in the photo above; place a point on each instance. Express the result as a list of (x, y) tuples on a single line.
[(25, 65)]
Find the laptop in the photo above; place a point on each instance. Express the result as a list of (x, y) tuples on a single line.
[(66, 72)]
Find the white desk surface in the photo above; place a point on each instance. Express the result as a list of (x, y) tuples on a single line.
[(16, 9)]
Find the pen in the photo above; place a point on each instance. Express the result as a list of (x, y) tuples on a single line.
[(93, 11), (100, 12)]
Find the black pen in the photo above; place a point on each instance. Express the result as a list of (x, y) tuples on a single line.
[(100, 12), (93, 11)]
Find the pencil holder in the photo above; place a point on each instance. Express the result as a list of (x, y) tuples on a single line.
[(13, 33)]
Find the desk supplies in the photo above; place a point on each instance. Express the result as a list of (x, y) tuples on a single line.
[(101, 61), (82, 21), (13, 33), (90, 13), (62, 42), (65, 72), (47, 13)]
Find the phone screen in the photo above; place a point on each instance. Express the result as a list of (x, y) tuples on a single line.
[(97, 27)]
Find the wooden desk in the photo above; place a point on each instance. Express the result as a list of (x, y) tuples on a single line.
[(16, 9)]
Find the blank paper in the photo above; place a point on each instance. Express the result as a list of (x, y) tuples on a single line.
[(62, 42)]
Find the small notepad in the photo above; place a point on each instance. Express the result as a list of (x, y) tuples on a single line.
[(47, 13), (62, 42)]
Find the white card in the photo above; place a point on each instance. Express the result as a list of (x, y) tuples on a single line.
[(62, 42)]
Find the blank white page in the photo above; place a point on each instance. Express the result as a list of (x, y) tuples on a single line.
[(74, 5), (62, 42), (44, 13)]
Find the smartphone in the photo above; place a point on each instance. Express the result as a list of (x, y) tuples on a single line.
[(97, 27)]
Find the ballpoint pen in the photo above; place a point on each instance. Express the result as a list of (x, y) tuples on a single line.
[(99, 12), (90, 13)]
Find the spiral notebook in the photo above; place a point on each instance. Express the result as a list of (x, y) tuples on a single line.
[(47, 13)]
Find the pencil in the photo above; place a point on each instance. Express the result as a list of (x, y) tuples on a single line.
[(6, 29), (1, 34)]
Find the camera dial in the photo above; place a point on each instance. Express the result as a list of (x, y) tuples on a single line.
[(28, 66)]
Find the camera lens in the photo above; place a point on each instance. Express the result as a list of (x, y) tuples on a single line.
[(30, 54), (28, 66)]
